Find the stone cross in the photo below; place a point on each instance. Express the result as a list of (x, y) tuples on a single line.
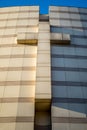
[(43, 39)]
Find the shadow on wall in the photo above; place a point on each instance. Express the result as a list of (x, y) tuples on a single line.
[(70, 109), (69, 101), (67, 30), (76, 34)]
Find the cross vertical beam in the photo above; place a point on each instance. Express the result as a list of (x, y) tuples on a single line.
[(43, 71), (43, 79)]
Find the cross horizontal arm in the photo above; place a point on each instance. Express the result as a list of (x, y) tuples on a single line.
[(27, 38)]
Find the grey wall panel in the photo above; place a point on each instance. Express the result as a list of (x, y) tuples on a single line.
[(56, 29), (78, 32), (64, 15), (71, 63), (63, 9), (63, 50), (78, 41), (67, 30), (69, 50), (56, 50), (86, 109), (84, 91), (82, 63), (73, 9), (84, 23), (76, 24), (72, 76), (58, 76), (74, 92), (75, 16), (83, 17), (59, 91), (65, 23), (83, 76), (81, 51), (69, 92), (82, 10), (54, 15), (57, 62), (85, 32)]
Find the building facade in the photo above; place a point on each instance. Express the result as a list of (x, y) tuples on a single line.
[(43, 68)]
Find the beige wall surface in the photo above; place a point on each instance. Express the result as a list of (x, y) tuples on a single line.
[(17, 68)]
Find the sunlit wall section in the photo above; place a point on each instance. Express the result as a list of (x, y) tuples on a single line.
[(69, 69), (17, 68)]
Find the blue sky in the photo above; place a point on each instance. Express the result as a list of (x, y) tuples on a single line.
[(43, 3)]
